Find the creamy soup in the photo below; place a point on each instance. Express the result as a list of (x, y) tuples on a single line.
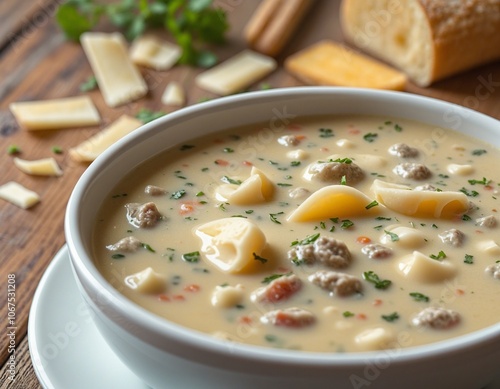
[(337, 234)]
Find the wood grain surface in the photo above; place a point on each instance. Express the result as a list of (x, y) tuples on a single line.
[(37, 63)]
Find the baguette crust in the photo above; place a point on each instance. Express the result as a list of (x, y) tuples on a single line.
[(428, 39)]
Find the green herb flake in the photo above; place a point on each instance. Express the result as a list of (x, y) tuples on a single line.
[(373, 278), (398, 128), (118, 256), (347, 161), (146, 115), (466, 218), (148, 247), (283, 184), (440, 256), (188, 147), (271, 278), (345, 224), (374, 203), (228, 150), (469, 259), (13, 149), (347, 314), (229, 180), (394, 237), (271, 338), (419, 297), (469, 193), (274, 217), (307, 240), (57, 149), (89, 84), (391, 318), (325, 133), (199, 194), (343, 180), (259, 258), (178, 194), (484, 181), (295, 163), (479, 152), (192, 257), (370, 137)]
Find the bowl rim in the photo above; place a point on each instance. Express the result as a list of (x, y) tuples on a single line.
[(84, 267)]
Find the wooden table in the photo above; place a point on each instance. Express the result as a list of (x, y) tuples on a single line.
[(37, 63)]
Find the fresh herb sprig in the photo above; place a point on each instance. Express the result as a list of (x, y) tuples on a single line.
[(193, 23)]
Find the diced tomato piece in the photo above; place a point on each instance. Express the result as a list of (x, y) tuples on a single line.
[(192, 288), (163, 297), (178, 297), (281, 289), (221, 162), (363, 240)]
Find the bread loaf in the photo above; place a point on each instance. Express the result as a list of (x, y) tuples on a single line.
[(427, 39)]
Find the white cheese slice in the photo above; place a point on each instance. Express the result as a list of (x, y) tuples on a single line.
[(120, 82), (56, 114), (18, 195), (39, 167), (89, 149), (236, 73), (173, 95), (152, 52)]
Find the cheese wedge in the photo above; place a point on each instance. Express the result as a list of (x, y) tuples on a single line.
[(18, 195), (152, 52), (173, 95), (236, 73), (56, 114), (39, 167), (89, 149), (328, 63), (120, 82)]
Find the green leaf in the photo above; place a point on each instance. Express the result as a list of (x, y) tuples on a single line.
[(146, 115), (192, 257), (390, 318), (199, 5), (72, 21), (373, 278), (89, 84), (419, 297)]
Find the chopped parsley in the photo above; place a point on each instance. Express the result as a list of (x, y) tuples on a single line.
[(307, 240), (187, 147), (374, 203), (148, 247), (199, 194), (259, 258), (373, 278), (272, 277), (419, 297), (441, 255), (390, 318), (466, 218), (57, 149), (146, 115), (178, 194), (274, 217), (347, 314), (469, 259), (283, 184), (229, 180), (295, 163), (484, 181), (370, 137), (192, 257), (394, 237), (89, 84), (479, 152), (342, 160), (118, 256), (325, 133), (343, 180), (345, 224), (398, 128), (13, 149), (228, 150)]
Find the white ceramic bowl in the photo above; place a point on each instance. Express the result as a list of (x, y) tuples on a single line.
[(157, 350)]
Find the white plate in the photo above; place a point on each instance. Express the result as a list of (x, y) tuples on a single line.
[(66, 349)]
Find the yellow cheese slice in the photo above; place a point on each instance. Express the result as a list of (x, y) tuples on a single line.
[(18, 195), (120, 82), (56, 114), (152, 52), (39, 167), (236, 73), (328, 63), (174, 95), (89, 149)]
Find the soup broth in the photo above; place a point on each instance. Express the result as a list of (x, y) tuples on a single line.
[(336, 234)]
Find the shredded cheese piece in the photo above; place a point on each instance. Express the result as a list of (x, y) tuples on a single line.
[(39, 167), (18, 195), (154, 53)]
